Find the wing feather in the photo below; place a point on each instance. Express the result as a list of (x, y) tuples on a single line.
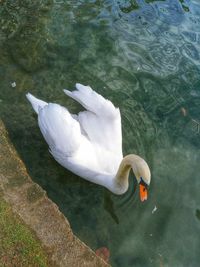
[(60, 130), (101, 121)]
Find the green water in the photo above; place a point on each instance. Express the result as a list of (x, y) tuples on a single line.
[(145, 57)]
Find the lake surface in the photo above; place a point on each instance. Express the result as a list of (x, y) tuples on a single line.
[(145, 57)]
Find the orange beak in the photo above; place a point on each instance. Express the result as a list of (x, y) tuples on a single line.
[(143, 193)]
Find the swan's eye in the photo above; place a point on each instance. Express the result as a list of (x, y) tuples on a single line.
[(142, 182)]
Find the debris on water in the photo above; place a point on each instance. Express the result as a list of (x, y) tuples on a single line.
[(154, 210), (151, 234), (104, 253), (183, 112), (13, 84)]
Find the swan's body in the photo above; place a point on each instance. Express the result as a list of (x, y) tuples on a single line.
[(90, 143)]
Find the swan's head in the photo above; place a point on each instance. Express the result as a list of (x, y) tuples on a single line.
[(140, 169), (143, 176)]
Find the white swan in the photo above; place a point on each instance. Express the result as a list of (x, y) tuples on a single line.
[(90, 143)]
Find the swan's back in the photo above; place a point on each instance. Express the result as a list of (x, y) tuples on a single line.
[(90, 140)]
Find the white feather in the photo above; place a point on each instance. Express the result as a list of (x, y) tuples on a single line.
[(89, 143)]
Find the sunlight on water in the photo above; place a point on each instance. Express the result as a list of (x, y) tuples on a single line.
[(145, 57)]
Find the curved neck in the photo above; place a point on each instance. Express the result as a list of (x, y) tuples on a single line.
[(121, 179)]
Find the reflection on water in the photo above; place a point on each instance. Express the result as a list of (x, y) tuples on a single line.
[(143, 55)]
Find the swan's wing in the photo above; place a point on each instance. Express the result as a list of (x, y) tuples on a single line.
[(92, 101), (101, 122), (67, 144), (60, 130)]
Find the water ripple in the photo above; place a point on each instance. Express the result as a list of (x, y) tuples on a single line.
[(166, 55), (170, 13), (190, 51)]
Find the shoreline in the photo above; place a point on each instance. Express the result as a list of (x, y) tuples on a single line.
[(30, 202)]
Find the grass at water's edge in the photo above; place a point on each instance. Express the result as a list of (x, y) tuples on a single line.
[(18, 245)]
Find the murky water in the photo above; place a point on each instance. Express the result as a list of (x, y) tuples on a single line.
[(145, 57)]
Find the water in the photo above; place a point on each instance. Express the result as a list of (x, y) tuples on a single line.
[(145, 57)]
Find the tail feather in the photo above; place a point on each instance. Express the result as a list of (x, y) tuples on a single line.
[(36, 103)]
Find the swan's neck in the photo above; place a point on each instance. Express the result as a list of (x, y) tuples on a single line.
[(121, 181)]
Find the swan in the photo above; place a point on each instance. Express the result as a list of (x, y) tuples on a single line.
[(89, 144)]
